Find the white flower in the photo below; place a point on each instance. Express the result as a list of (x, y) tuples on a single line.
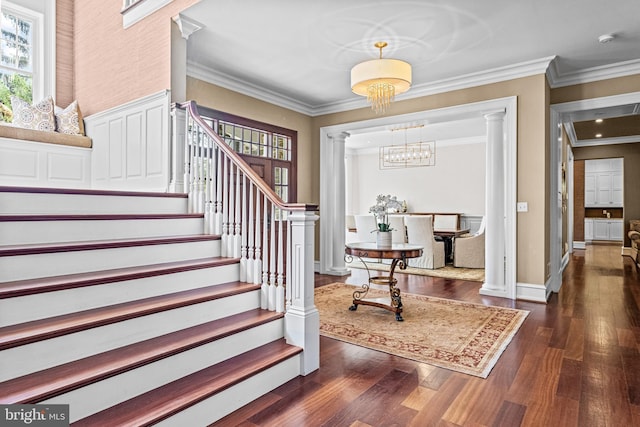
[(381, 209)]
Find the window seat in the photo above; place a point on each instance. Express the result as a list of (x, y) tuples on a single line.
[(35, 158), (45, 137)]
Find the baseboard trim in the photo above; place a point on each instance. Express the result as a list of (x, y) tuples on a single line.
[(532, 292)]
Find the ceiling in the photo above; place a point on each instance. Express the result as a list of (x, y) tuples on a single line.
[(299, 54)]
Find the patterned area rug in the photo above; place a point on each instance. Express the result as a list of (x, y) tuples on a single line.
[(459, 336), (448, 271)]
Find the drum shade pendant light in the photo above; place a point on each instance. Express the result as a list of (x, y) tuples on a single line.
[(380, 80)]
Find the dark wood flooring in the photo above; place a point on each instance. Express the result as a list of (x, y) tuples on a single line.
[(574, 362)]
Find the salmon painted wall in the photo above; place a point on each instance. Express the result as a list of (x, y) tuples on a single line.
[(114, 65), (64, 53)]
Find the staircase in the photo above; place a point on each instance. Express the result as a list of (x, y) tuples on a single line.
[(116, 304)]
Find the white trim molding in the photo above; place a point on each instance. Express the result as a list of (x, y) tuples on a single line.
[(532, 292), (329, 246), (137, 11)]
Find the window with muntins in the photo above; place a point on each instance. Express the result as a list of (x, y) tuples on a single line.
[(269, 150)]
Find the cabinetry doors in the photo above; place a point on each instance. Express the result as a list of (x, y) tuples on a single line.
[(603, 185), (600, 230), (588, 229)]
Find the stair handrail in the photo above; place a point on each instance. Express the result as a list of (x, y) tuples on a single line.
[(273, 240), (192, 109)]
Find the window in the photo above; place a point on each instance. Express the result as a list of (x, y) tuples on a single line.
[(27, 64), (269, 150)]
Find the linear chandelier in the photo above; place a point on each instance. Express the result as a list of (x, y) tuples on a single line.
[(380, 80), (408, 155)]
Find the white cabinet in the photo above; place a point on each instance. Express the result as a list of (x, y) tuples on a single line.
[(603, 183), (588, 229), (603, 229)]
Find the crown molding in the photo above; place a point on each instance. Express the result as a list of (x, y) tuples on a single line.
[(523, 69), (603, 72), (607, 141), (235, 84), (547, 66)]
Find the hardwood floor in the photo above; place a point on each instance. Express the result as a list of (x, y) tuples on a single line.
[(574, 362)]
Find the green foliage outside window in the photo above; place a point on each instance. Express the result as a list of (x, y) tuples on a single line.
[(16, 85)]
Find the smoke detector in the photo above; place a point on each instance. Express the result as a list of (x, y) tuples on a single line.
[(606, 38)]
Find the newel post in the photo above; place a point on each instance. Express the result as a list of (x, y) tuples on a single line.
[(302, 320)]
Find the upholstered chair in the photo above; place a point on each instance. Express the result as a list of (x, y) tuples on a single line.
[(420, 232), (365, 225), (634, 235), (446, 221), (468, 251), (398, 231)]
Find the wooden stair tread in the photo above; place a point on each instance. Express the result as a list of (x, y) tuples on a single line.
[(162, 402), (95, 217), (24, 333), (91, 192), (70, 281), (46, 248), (60, 379)]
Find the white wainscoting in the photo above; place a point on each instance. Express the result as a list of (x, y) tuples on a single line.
[(131, 145), (38, 164), (472, 222)]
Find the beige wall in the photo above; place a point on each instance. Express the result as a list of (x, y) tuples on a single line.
[(115, 65), (533, 154), (212, 96), (630, 152)]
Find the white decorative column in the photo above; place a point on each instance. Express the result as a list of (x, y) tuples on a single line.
[(494, 283), (336, 208), (302, 320)]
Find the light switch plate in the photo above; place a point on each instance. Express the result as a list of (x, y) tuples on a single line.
[(522, 207)]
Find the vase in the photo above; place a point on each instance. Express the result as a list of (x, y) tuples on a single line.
[(383, 239)]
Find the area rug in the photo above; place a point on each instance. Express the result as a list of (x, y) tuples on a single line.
[(448, 271), (459, 336)]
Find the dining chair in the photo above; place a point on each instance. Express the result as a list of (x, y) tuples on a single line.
[(420, 232), (446, 221), (468, 251), (365, 225)]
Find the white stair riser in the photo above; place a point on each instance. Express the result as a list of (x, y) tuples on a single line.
[(29, 232), (233, 398), (52, 203), (61, 263), (39, 306), (44, 354), (101, 395)]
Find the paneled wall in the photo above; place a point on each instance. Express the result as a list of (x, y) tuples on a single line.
[(131, 145)]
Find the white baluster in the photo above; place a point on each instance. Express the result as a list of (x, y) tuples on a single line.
[(280, 275), (243, 232), (225, 207), (250, 249), (265, 252), (231, 194), (272, 260), (237, 241), (219, 171)]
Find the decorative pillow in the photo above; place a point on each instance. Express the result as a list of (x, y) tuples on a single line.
[(38, 116), (69, 120)]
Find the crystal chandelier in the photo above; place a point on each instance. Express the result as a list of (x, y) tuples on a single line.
[(380, 80)]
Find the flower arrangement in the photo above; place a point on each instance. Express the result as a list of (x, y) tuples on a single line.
[(381, 209)]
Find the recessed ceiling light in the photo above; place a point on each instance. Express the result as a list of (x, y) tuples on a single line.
[(606, 38), (598, 135), (598, 120)]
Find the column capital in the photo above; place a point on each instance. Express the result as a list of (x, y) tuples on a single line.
[(339, 136), (495, 115), (187, 25)]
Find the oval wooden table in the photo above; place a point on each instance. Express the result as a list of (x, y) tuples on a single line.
[(398, 253)]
